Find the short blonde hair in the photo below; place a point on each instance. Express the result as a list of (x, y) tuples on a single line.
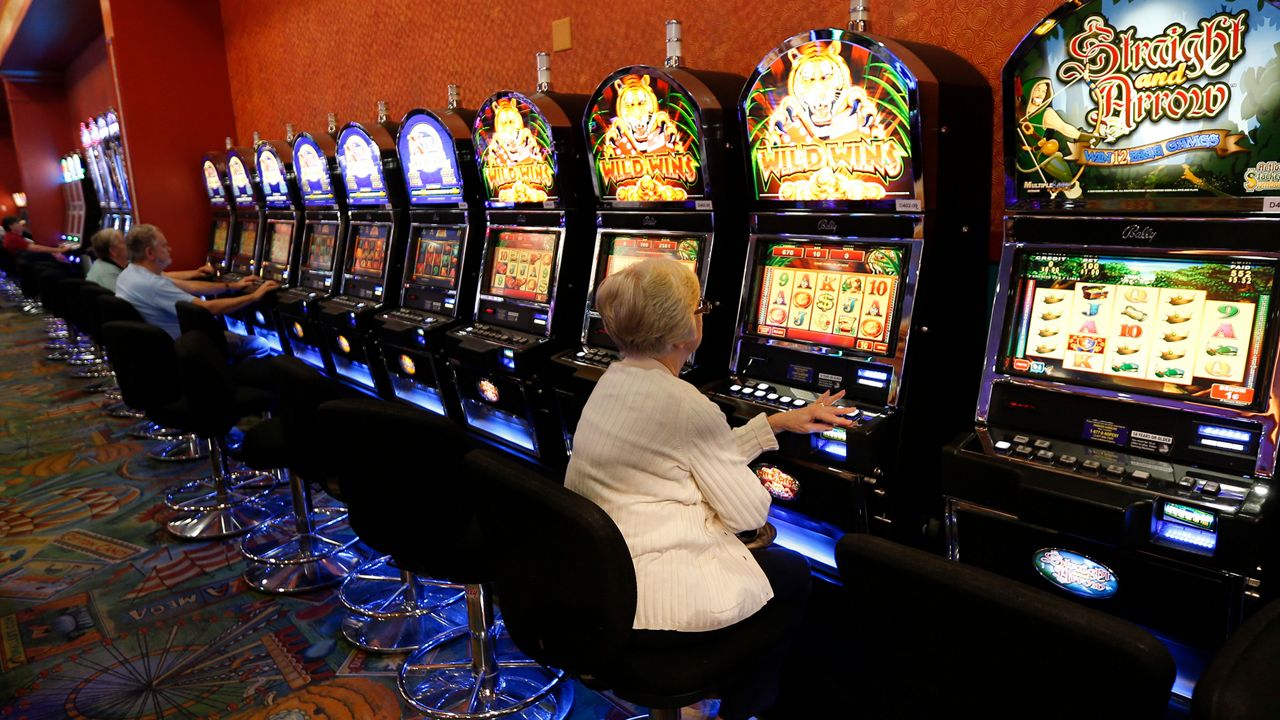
[(648, 307), (103, 240)]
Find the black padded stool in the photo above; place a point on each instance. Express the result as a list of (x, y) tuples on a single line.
[(567, 590), (308, 547), (236, 501), (91, 323), (428, 521), (987, 646), (255, 372), (88, 360), (64, 340), (114, 309), (1240, 682), (381, 459)]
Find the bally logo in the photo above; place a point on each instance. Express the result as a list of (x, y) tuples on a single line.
[(827, 225), (1138, 232)]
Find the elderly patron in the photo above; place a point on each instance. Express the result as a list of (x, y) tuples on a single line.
[(155, 293), (662, 461)]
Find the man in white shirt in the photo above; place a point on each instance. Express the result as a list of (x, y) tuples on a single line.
[(155, 294)]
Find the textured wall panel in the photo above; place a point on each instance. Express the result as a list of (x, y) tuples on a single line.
[(296, 60)]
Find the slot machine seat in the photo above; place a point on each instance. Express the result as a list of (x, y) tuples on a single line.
[(378, 454), (91, 321), (430, 526), (114, 309), (255, 372), (47, 278), (1239, 683), (153, 379), (567, 586), (992, 647), (308, 547), (89, 359), (29, 271)]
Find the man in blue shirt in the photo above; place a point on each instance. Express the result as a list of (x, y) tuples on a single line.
[(145, 285)]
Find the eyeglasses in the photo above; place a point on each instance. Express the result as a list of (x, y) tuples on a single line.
[(704, 306)]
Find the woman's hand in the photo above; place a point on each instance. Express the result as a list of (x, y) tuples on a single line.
[(818, 416)]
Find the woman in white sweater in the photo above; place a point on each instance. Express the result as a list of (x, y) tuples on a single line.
[(662, 461)]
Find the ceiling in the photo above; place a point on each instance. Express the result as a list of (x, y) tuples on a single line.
[(52, 34)]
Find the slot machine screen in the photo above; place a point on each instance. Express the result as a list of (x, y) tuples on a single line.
[(832, 294), (436, 252), (278, 250), (368, 253), (322, 238), (521, 265), (622, 250), (248, 238), (1184, 327), (221, 227)]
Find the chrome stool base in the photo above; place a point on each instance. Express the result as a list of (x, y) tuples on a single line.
[(204, 495), (182, 451), (148, 430), (220, 523), (124, 412), (394, 611), (92, 371), (476, 673), (283, 560)]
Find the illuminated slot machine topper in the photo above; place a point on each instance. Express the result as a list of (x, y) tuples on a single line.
[(361, 162), (313, 172), (430, 163), (241, 184), (214, 184), (828, 294), (118, 160), (1187, 328), (111, 193), (829, 124), (515, 153), (644, 135)]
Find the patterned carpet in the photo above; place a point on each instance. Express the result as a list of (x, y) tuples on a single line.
[(105, 616)]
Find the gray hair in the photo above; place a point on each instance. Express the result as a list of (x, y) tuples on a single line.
[(103, 240), (141, 239), (648, 307)]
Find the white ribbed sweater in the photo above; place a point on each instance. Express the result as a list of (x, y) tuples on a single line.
[(660, 459)]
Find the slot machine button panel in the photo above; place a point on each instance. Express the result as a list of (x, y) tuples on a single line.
[(1044, 455), (1211, 489), (1115, 470), (1187, 483), (1025, 451), (1003, 446), (771, 396), (1042, 444), (799, 403), (1091, 466), (785, 399), (1021, 440), (759, 393), (1067, 460), (1140, 476), (732, 388)]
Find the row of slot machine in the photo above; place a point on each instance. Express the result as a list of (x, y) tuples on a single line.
[(106, 200), (79, 199), (1128, 405)]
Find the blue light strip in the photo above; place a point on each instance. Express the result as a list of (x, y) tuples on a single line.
[(504, 426), (352, 370), (308, 354), (819, 548), (1224, 433), (237, 326), (424, 396), (271, 338), (1185, 537)]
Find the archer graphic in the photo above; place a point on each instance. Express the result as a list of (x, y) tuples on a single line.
[(1040, 127)]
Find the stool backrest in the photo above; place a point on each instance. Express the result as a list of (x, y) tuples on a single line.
[(90, 310), (69, 300), (1240, 682), (51, 296), (117, 309), (564, 576), (145, 365), (302, 390), (984, 645), (400, 474), (207, 385), (193, 318)]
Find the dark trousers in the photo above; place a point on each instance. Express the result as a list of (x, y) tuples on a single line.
[(754, 688)]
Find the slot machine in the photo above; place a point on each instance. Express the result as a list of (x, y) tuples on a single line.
[(663, 145), (324, 225), (245, 243), (72, 201), (223, 221), (108, 199), (865, 268), (90, 186), (373, 253), (528, 149), (119, 169), (1127, 417), (281, 234), (437, 286)]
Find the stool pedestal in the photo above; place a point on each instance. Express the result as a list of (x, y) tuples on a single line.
[(392, 610), (230, 506)]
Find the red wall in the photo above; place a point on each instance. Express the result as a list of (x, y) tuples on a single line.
[(175, 105), (10, 178), (298, 61), (37, 110), (91, 88)]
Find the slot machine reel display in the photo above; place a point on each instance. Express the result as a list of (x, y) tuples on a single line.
[(528, 151), (658, 140), (863, 271), (321, 243), (1127, 415), (223, 223), (438, 283), (373, 254)]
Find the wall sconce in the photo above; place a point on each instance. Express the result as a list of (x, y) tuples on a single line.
[(20, 199)]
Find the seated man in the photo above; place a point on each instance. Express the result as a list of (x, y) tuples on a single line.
[(112, 257), (17, 244), (155, 293)]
